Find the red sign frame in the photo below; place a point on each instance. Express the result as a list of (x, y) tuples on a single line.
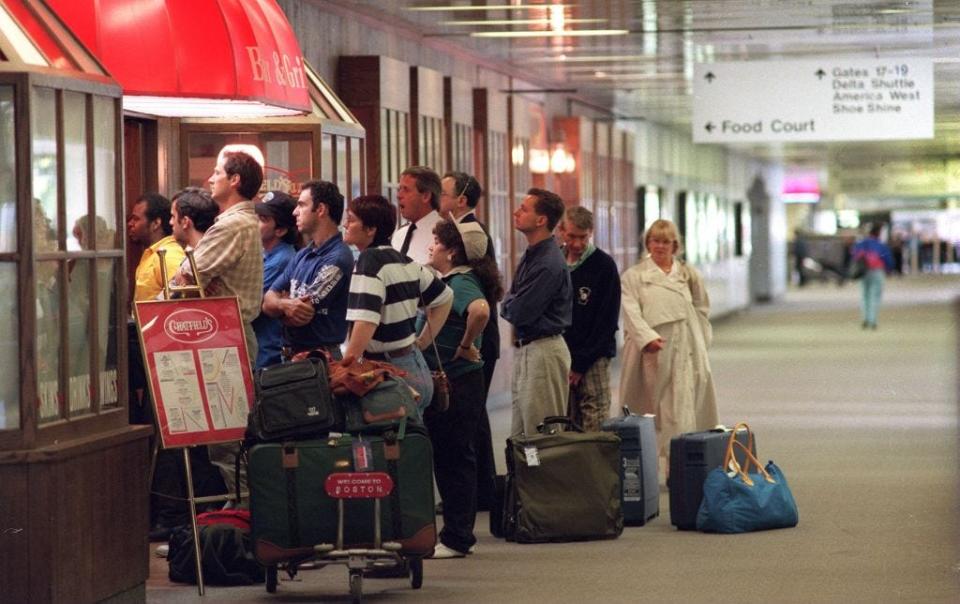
[(358, 485), (198, 369)]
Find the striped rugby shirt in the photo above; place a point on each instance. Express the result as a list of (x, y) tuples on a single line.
[(386, 290)]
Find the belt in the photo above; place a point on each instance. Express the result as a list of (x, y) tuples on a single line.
[(521, 342), (389, 354)]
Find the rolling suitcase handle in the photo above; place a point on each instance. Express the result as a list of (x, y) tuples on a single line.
[(558, 419)]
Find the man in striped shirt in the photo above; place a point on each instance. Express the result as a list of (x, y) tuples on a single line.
[(385, 291)]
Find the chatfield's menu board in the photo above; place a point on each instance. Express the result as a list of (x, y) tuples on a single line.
[(196, 359)]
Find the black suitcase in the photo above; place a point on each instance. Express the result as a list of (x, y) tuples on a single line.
[(638, 466), (496, 506), (692, 456)]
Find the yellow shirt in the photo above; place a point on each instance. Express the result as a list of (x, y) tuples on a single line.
[(149, 282)]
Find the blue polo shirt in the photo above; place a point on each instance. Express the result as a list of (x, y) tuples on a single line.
[(267, 329), (323, 273)]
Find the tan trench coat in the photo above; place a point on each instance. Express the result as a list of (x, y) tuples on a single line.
[(675, 384)]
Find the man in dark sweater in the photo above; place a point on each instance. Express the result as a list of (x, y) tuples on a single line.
[(596, 307)]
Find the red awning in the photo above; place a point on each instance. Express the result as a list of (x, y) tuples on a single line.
[(234, 50)]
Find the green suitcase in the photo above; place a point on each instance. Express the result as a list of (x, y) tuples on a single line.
[(291, 511), (563, 486)]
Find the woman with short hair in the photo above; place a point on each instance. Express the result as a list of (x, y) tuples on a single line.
[(385, 291), (665, 310)]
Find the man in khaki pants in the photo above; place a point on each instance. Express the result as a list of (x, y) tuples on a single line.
[(539, 306)]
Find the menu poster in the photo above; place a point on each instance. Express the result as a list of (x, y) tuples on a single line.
[(196, 359)]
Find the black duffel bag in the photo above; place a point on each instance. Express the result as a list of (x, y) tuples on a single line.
[(293, 402)]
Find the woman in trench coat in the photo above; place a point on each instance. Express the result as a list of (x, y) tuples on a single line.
[(665, 311)]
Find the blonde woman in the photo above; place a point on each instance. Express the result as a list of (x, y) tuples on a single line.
[(665, 311)]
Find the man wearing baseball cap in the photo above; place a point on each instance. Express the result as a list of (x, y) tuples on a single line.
[(278, 233)]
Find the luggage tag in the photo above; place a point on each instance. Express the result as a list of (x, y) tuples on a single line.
[(362, 455), (533, 458)]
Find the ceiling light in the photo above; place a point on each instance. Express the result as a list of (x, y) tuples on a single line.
[(589, 59), (196, 107), (481, 22), (557, 18), (570, 33), (460, 7)]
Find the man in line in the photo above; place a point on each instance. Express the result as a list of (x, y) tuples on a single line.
[(277, 234), (148, 226), (539, 308), (310, 296), (229, 261), (229, 257), (459, 196), (596, 306), (418, 198), (191, 214)]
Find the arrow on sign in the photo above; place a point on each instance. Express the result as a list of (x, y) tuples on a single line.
[(709, 127), (709, 77), (820, 73)]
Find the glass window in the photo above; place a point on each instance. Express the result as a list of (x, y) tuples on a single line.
[(75, 171), (355, 168), (327, 170), (43, 126), (8, 171), (108, 328), (78, 334), (288, 157), (48, 339), (342, 182), (9, 348), (104, 174)]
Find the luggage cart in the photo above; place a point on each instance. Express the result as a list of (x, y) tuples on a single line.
[(383, 555)]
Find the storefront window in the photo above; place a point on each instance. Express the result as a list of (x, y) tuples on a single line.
[(104, 149), (107, 326), (48, 339), (44, 129), (8, 170), (78, 334), (288, 157), (355, 170), (9, 348), (75, 170), (327, 169)]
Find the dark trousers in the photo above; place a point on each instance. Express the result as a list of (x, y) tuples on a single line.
[(486, 465), (453, 436)]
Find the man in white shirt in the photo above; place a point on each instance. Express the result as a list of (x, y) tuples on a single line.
[(419, 199)]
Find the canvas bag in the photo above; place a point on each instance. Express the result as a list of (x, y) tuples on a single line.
[(738, 500)]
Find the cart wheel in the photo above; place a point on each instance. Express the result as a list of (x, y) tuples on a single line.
[(356, 586), (272, 579), (416, 572)]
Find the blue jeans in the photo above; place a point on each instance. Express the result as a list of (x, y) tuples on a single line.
[(871, 290), (418, 375)]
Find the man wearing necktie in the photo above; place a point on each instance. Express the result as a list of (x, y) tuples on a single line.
[(419, 198)]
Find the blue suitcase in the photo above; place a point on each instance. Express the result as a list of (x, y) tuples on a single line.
[(692, 456), (638, 466)]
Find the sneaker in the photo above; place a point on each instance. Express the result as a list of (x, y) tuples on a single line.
[(473, 549), (162, 550), (442, 552)]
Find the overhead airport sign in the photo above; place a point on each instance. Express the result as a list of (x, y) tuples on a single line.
[(806, 101)]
